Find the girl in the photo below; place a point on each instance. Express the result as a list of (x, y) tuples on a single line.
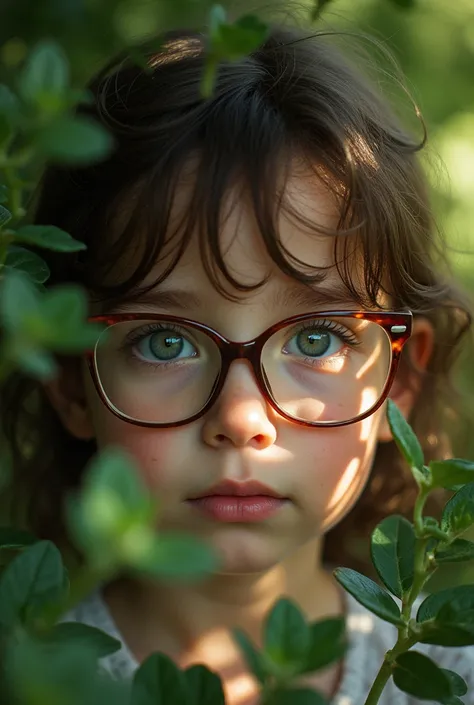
[(259, 256)]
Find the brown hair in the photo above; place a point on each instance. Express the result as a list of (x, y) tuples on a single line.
[(295, 95)]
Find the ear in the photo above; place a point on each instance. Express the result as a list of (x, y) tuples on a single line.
[(407, 384), (66, 392)]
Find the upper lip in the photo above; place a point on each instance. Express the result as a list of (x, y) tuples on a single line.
[(251, 488)]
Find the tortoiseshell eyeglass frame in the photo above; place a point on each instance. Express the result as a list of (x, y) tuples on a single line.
[(397, 325)]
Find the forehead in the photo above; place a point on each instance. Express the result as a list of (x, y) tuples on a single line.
[(310, 208), (305, 217)]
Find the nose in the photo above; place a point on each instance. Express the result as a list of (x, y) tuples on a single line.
[(240, 416)]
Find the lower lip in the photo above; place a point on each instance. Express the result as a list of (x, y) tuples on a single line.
[(238, 509)]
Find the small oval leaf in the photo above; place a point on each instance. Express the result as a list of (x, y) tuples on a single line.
[(328, 644), (98, 641), (404, 437), (458, 684), (75, 140), (286, 634), (458, 514), (369, 594), (418, 675), (204, 686), (253, 657), (393, 553), (29, 263), (159, 681), (458, 550), (447, 473), (31, 581), (49, 237)]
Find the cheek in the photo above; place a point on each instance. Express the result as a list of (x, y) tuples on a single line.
[(334, 467), (152, 448)]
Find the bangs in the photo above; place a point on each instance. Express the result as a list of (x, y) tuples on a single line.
[(291, 103)]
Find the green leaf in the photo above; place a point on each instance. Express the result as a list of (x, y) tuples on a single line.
[(5, 216), (3, 193), (31, 581), (18, 298), (431, 605), (458, 684), (48, 236), (404, 437), (204, 687), (327, 644), (233, 41), (159, 681), (458, 550), (173, 556), (446, 473), (448, 617), (393, 553), (56, 676), (418, 675), (112, 504), (458, 514), (62, 321), (29, 263), (12, 538), (254, 659), (74, 140), (369, 594), (297, 696), (286, 634), (46, 71), (96, 640)]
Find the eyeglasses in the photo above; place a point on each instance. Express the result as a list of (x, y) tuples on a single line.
[(329, 368)]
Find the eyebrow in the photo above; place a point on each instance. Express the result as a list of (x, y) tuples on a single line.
[(292, 296)]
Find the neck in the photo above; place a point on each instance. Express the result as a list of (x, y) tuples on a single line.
[(225, 601)]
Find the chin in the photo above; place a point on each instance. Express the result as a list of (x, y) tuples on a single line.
[(242, 552)]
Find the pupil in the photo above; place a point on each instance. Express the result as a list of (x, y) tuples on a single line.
[(314, 343), (165, 346)]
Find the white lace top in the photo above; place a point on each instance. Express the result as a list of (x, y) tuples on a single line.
[(369, 639)]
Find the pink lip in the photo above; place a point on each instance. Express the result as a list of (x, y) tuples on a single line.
[(239, 502)]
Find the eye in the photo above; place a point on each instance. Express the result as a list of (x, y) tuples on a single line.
[(319, 339), (164, 345)]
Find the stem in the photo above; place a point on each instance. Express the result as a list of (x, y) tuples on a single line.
[(406, 640), (385, 671)]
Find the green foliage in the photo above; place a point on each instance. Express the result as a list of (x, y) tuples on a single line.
[(113, 520), (369, 594), (407, 442), (417, 675), (32, 581), (393, 554)]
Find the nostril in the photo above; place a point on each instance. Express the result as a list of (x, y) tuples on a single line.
[(259, 439), (220, 438)]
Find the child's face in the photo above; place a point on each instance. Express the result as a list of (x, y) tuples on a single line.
[(321, 470)]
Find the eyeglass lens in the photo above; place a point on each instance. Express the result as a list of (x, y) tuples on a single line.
[(319, 370)]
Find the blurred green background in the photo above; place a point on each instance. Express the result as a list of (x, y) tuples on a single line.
[(432, 40)]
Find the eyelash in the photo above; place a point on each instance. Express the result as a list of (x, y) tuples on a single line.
[(137, 336), (349, 337)]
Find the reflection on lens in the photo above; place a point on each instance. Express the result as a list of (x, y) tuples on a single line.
[(327, 370), (156, 372)]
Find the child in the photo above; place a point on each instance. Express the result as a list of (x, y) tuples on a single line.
[(288, 210)]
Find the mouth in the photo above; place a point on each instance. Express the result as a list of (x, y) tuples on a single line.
[(239, 502)]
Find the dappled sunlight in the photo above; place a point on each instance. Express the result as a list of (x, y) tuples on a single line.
[(344, 483), (371, 360), (369, 397)]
